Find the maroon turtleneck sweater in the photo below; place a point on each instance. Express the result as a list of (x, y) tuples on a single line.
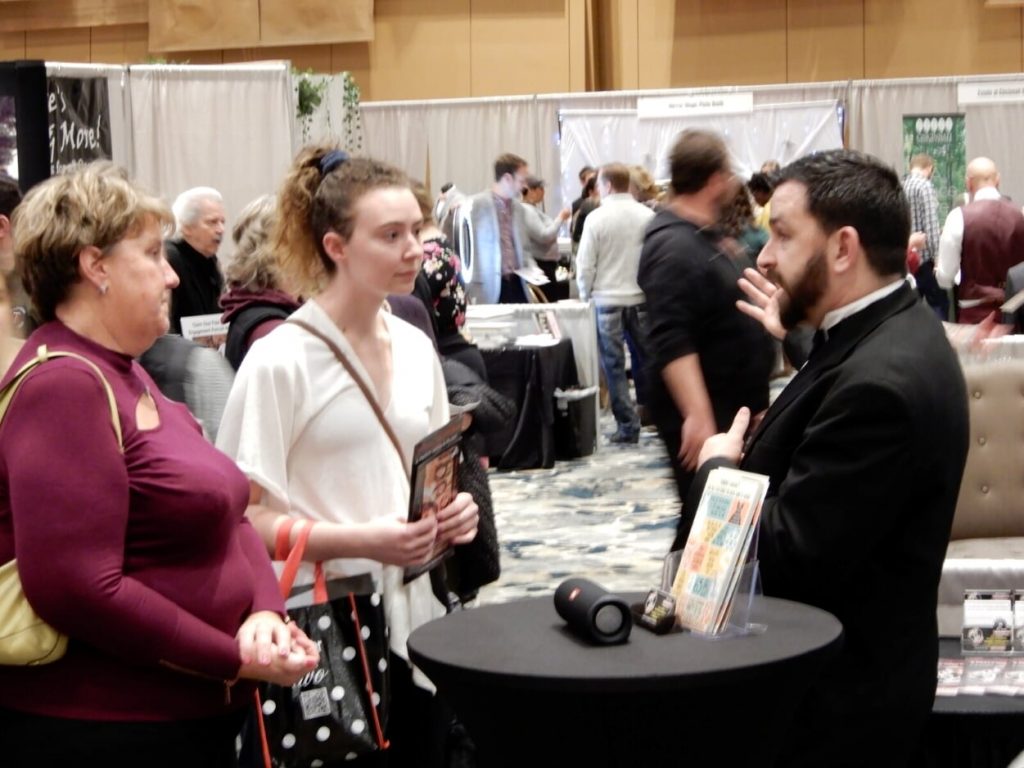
[(145, 560)]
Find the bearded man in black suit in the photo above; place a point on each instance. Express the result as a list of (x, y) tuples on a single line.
[(848, 525)]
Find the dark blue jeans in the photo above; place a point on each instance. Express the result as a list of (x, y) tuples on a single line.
[(616, 326)]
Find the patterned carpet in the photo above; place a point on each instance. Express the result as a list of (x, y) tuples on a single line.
[(609, 517)]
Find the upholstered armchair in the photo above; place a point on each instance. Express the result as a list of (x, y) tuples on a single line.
[(986, 548)]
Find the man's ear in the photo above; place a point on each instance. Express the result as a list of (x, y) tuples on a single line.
[(335, 247), (848, 249), (5, 226), (93, 267)]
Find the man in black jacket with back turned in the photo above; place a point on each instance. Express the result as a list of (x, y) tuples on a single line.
[(848, 526), (706, 360)]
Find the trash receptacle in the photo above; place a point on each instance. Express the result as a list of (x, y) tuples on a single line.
[(575, 422)]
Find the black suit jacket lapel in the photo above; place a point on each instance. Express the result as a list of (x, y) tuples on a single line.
[(842, 339)]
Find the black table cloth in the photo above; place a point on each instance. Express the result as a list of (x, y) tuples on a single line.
[(532, 694), (972, 731), (529, 376)]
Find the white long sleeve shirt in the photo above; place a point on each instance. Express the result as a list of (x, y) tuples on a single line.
[(609, 254)]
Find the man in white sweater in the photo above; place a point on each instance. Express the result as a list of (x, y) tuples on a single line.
[(606, 270)]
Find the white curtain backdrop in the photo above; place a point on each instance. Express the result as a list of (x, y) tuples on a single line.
[(452, 140), (993, 131), (549, 108), (780, 132), (119, 97), (228, 127), (465, 137), (395, 132), (876, 126), (877, 108)]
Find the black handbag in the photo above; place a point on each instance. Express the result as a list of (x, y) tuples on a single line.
[(337, 711)]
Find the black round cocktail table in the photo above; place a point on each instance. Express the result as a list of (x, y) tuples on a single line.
[(531, 693)]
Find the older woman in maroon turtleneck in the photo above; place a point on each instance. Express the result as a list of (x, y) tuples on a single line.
[(144, 559)]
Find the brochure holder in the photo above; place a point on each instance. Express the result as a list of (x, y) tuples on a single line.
[(658, 612), (738, 623), (993, 622)]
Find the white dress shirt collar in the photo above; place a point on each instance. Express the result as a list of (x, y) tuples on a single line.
[(836, 316)]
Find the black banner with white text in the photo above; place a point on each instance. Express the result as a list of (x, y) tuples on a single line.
[(79, 116)]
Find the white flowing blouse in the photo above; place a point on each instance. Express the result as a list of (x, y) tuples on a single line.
[(299, 426)]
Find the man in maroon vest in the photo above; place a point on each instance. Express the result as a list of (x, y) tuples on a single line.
[(982, 241)]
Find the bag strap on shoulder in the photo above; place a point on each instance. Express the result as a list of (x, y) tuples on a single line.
[(358, 380), (42, 355)]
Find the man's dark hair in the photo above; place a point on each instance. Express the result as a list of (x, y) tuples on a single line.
[(695, 157), (585, 171), (761, 182), (507, 163), (10, 195), (851, 189), (446, 186)]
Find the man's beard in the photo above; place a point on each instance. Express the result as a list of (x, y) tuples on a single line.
[(805, 293)]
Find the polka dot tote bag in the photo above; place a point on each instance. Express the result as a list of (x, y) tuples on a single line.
[(337, 711)]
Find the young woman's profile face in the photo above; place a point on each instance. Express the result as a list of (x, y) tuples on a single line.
[(384, 255)]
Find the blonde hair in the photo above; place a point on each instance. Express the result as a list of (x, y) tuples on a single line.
[(95, 205), (253, 266), (641, 184), (422, 195), (311, 204)]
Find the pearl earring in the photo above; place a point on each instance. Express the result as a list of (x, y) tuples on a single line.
[(103, 289)]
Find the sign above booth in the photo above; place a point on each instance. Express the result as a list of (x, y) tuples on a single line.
[(990, 92), (695, 105)]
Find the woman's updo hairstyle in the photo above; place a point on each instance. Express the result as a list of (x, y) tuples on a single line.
[(318, 196)]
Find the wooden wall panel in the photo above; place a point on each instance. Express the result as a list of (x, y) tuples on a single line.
[(287, 22), (825, 40), (37, 15), (12, 45), (460, 48), (578, 45), (619, 44), (419, 51), (519, 47), (913, 38), (656, 25), (191, 57), (315, 57), (184, 25), (121, 44), (58, 45), (354, 58), (712, 42)]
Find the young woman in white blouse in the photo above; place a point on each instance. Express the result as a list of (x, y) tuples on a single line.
[(306, 435)]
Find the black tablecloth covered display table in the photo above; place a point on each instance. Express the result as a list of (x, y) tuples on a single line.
[(529, 376), (972, 731), (530, 693)]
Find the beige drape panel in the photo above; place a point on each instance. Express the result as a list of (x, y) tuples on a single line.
[(192, 25)]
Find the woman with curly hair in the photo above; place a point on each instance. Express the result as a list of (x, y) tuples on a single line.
[(347, 234)]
